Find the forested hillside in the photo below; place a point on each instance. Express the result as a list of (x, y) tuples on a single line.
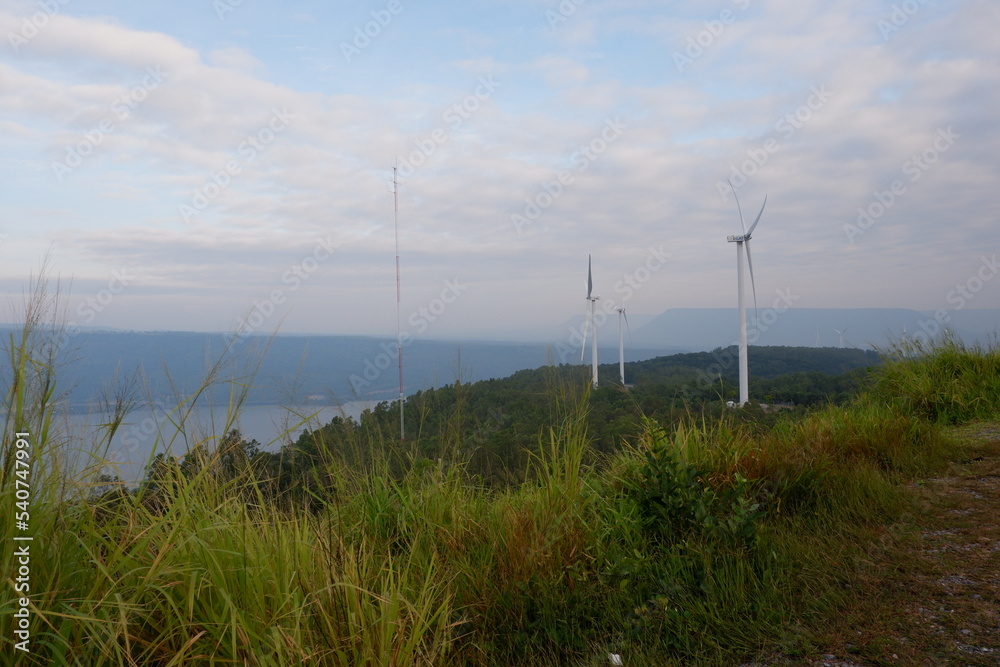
[(495, 424)]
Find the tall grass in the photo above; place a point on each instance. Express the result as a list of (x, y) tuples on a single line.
[(690, 545), (945, 381)]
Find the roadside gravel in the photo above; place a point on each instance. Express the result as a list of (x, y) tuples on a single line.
[(931, 595)]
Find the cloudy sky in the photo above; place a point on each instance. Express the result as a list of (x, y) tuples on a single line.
[(188, 166)]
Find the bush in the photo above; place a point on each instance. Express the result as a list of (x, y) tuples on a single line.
[(677, 501)]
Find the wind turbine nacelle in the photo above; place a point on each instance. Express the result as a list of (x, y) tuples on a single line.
[(736, 239)]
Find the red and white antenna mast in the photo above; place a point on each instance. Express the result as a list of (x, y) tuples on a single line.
[(399, 326)]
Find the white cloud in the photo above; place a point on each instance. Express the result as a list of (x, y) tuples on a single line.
[(234, 57), (68, 39), (560, 72), (656, 184)]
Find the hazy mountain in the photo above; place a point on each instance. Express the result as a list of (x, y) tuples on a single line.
[(707, 328), (982, 322), (319, 369), (292, 369)]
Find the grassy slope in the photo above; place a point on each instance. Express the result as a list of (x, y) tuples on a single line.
[(707, 546), (929, 593)]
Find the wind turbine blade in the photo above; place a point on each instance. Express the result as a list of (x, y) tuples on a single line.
[(586, 329), (754, 225), (627, 327), (752, 285), (738, 207), (590, 279)]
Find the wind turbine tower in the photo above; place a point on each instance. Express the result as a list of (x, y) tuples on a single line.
[(591, 324), (621, 343), (841, 334), (741, 241)]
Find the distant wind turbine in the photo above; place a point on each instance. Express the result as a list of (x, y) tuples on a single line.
[(841, 334), (621, 342), (741, 241), (590, 324)]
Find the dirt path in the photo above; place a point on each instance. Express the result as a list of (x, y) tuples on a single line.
[(931, 594)]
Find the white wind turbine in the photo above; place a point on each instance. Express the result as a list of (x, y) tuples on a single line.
[(740, 242), (841, 334), (621, 343), (590, 324)]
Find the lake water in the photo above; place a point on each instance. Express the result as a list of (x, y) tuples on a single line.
[(155, 427)]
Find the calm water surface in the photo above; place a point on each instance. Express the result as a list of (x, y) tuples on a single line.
[(153, 429)]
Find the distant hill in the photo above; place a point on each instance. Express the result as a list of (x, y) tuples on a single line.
[(321, 369), (501, 419), (708, 328), (291, 369), (764, 363), (699, 370)]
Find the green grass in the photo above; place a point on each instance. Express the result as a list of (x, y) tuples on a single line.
[(706, 542), (947, 382)]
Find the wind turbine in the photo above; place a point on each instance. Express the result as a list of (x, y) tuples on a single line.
[(590, 324), (841, 333), (740, 242), (621, 342), (399, 329)]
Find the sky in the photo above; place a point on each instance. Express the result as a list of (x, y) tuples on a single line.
[(227, 165)]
